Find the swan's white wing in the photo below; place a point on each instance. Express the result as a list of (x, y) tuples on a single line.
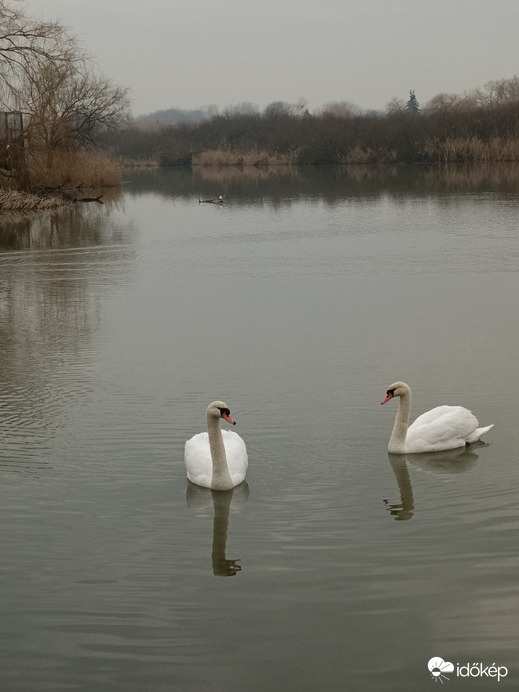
[(199, 465), (443, 427), (197, 457), (236, 453), (437, 413)]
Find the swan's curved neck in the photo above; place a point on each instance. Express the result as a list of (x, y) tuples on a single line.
[(397, 440), (221, 476)]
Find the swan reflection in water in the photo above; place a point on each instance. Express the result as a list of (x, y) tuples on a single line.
[(219, 503), (441, 464)]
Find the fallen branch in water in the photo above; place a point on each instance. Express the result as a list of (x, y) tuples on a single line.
[(90, 199), (213, 200)]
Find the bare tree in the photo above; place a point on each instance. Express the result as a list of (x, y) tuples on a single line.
[(340, 110), (497, 92), (395, 106), (67, 109), (442, 103), (243, 108), (278, 109), (69, 106), (46, 75), (452, 103), (26, 45)]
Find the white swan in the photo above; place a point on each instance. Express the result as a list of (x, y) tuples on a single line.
[(216, 459), (441, 428)]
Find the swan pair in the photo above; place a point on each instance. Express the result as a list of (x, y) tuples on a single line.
[(218, 459)]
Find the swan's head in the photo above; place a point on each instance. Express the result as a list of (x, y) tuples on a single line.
[(396, 389), (217, 409)]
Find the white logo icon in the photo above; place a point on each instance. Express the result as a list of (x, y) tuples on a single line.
[(437, 667)]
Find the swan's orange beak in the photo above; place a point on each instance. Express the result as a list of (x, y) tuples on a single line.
[(388, 397), (228, 418)]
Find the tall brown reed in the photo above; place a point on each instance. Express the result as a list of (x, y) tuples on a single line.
[(470, 149), (225, 157), (16, 201), (64, 169)]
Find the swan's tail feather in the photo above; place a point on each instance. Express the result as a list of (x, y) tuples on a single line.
[(478, 433)]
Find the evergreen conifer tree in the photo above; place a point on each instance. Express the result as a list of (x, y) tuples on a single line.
[(412, 105)]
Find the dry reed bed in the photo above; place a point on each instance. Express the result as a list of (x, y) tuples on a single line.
[(362, 156), (62, 169), (139, 163), (471, 149), (223, 157), (468, 149), (13, 200)]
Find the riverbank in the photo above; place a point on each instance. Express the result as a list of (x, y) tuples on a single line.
[(52, 179)]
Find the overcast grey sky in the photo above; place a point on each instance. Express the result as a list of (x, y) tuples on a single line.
[(191, 53)]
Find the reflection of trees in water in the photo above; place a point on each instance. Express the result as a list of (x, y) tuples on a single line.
[(48, 310), (284, 185), (76, 225)]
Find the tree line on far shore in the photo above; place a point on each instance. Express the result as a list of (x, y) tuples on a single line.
[(480, 125)]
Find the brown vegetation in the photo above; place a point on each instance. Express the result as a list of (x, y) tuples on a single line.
[(469, 149), (65, 169), (13, 200), (223, 157)]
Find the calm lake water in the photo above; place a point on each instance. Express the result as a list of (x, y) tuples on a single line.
[(298, 302)]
